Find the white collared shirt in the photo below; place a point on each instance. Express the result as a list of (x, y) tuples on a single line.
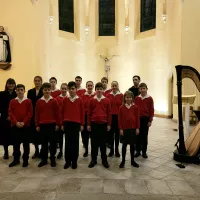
[(129, 106), (145, 97), (72, 99), (118, 92), (47, 100), (99, 99), (63, 96), (80, 89), (55, 90), (106, 90), (21, 100), (86, 93)]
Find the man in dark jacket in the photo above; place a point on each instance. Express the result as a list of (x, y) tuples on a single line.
[(135, 88)]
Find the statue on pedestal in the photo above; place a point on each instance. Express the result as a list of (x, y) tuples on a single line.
[(5, 53)]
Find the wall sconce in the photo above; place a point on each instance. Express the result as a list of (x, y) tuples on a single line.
[(86, 30), (126, 29), (51, 18), (164, 18)]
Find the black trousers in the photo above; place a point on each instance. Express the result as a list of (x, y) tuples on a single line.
[(71, 130), (98, 139), (21, 136), (48, 136), (85, 134), (114, 133), (142, 138), (132, 149), (60, 140)]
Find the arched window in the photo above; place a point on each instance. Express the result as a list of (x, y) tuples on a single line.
[(66, 15), (106, 17), (148, 15)]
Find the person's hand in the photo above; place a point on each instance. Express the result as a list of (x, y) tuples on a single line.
[(81, 128), (121, 132), (108, 128), (18, 125), (57, 128), (137, 131), (8, 118), (22, 124), (149, 124), (38, 129), (62, 128), (89, 128)]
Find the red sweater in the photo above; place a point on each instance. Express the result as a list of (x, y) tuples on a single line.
[(73, 111), (60, 101), (55, 93), (86, 99), (99, 112), (129, 117), (20, 112), (108, 91), (116, 102), (146, 106), (47, 112), (80, 92)]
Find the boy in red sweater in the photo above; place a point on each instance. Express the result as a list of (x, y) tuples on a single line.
[(86, 98), (20, 113), (54, 91), (99, 122), (106, 90), (115, 98), (80, 91), (146, 106), (47, 121), (72, 124), (60, 101)]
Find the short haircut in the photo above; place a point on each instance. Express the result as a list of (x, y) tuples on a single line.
[(64, 84), (127, 93), (20, 86), (143, 85), (53, 78), (39, 77), (98, 85), (10, 81), (104, 79), (89, 82), (78, 77), (136, 76), (71, 84), (46, 85)]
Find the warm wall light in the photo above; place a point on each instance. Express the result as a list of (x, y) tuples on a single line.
[(51, 18), (87, 30), (126, 29), (164, 18)]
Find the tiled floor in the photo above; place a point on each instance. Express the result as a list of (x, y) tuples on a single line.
[(157, 178)]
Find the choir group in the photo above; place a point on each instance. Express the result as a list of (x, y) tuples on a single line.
[(47, 114)]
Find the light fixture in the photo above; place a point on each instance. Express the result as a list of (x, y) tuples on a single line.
[(86, 30), (164, 18), (126, 29), (51, 18)]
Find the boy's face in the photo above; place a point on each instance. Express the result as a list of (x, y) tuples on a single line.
[(37, 82), (99, 91), (72, 91), (89, 86), (20, 92), (46, 91), (78, 82), (10, 86), (64, 90), (143, 90), (115, 87), (53, 83), (128, 99), (104, 83), (136, 81)]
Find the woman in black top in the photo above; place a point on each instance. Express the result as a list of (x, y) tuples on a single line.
[(5, 97)]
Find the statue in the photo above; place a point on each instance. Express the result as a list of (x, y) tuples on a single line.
[(5, 54), (107, 64)]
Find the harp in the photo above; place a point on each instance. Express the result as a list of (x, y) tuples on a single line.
[(184, 72)]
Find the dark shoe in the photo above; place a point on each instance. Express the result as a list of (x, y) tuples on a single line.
[(25, 164), (53, 163), (6, 157), (67, 165), (42, 163), (85, 154), (122, 164), (105, 164), (14, 163), (134, 164), (92, 164), (60, 155), (35, 155), (137, 154), (144, 155), (74, 165), (117, 154), (111, 154)]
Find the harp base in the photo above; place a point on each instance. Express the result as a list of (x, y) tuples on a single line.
[(185, 158)]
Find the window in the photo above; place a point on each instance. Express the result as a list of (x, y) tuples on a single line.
[(106, 17), (148, 15), (66, 15)]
